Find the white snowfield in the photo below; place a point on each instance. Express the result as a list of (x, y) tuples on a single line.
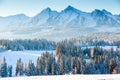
[(68, 77)]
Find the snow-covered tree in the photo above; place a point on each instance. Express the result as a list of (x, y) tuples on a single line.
[(4, 68)]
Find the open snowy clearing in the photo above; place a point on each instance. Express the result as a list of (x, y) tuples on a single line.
[(68, 77)]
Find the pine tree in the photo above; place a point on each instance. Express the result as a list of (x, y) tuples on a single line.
[(61, 65), (19, 68), (78, 67), (38, 67), (31, 69), (57, 50), (10, 71), (4, 68), (112, 66), (53, 69)]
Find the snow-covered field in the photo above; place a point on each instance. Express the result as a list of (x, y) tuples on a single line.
[(68, 77), (13, 56)]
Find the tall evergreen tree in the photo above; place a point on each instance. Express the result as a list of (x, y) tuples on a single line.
[(19, 68), (31, 69)]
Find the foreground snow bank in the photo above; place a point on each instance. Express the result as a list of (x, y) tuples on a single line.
[(68, 77)]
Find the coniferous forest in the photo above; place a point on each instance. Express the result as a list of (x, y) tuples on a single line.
[(69, 58)]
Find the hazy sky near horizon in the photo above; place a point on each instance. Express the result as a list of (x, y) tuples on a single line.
[(33, 7)]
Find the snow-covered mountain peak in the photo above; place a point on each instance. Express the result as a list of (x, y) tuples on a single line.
[(69, 8), (72, 9), (47, 10), (106, 12), (42, 17), (102, 12), (44, 11), (97, 12)]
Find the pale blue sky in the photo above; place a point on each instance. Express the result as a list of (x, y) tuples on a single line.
[(33, 7)]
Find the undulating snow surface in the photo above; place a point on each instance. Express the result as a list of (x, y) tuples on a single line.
[(68, 77), (13, 56)]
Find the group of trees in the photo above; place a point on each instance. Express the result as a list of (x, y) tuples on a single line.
[(89, 60), (4, 69), (45, 65), (17, 45)]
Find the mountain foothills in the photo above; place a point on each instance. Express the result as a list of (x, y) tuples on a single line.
[(68, 22)]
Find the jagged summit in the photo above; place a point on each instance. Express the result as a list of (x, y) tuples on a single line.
[(100, 12), (72, 9), (106, 12), (47, 10), (44, 11), (69, 8), (97, 12)]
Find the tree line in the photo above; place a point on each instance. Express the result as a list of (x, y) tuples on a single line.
[(19, 45)]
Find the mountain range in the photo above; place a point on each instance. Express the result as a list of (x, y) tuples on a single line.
[(68, 22)]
